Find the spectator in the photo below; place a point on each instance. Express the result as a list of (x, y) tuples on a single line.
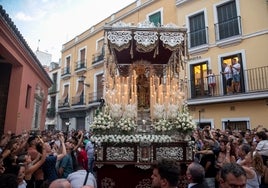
[(8, 181), (21, 182), (232, 175), (211, 82), (208, 162), (236, 74), (165, 174), (37, 179), (49, 166), (195, 175), (90, 154), (243, 150), (262, 146), (81, 177), (254, 168), (66, 163), (60, 183), (229, 78)]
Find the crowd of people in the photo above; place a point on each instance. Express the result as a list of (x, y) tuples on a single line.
[(248, 149), (45, 159), (222, 158)]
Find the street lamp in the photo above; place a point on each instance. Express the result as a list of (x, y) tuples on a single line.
[(68, 123)]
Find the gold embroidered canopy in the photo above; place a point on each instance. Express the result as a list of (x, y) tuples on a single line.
[(158, 45)]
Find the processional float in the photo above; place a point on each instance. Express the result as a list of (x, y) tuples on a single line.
[(145, 116)]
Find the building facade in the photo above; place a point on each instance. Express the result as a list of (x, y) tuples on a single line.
[(83, 61), (24, 82), (53, 96), (218, 31)]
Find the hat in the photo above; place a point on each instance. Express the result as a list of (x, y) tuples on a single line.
[(31, 138)]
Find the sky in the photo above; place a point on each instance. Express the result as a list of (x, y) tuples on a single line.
[(48, 24)]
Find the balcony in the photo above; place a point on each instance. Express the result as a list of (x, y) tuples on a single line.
[(228, 32), (64, 103), (51, 112), (97, 58), (52, 89), (81, 66), (65, 73), (253, 85), (198, 40), (78, 100), (95, 97)]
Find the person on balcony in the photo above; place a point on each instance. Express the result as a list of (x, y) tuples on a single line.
[(229, 78), (236, 75), (211, 82)]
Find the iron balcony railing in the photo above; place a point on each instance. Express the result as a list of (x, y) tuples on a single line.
[(95, 97), (52, 89), (63, 103), (251, 80), (228, 28), (97, 57), (198, 37), (65, 71), (82, 64), (78, 100)]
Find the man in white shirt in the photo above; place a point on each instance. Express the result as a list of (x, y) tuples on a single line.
[(236, 74), (80, 178), (229, 78)]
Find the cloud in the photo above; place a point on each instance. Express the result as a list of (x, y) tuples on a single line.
[(23, 17)]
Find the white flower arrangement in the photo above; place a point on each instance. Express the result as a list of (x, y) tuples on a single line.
[(126, 125), (184, 122), (162, 126), (102, 122), (116, 110), (137, 138), (179, 121), (130, 111), (112, 122)]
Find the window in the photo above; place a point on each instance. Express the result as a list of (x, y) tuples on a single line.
[(228, 61), (199, 86), (68, 62), (64, 98), (99, 86), (100, 46), (228, 20), (80, 123), (28, 96), (197, 28), (37, 114), (156, 18), (79, 97), (82, 57), (235, 125)]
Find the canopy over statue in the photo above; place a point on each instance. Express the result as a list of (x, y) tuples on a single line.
[(145, 116), (145, 69)]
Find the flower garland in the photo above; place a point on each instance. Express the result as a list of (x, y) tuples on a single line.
[(109, 126), (137, 138)]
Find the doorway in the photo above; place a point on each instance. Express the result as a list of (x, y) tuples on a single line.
[(228, 61), (199, 86)]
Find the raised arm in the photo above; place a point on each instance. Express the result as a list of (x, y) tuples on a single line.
[(37, 165), (63, 153)]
